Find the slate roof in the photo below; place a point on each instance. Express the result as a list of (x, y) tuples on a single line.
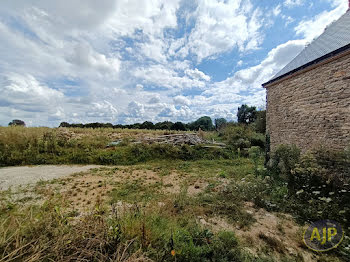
[(335, 39)]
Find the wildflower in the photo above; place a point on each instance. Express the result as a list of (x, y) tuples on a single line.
[(328, 199), (172, 252)]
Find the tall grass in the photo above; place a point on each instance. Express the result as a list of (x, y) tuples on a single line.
[(26, 146), (51, 232)]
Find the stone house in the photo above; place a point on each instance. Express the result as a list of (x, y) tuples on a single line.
[(308, 101)]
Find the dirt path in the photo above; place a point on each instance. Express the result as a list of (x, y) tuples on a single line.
[(24, 175)]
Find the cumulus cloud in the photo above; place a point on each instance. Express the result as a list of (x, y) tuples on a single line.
[(184, 113), (103, 110), (85, 57), (223, 25), (136, 109), (154, 100), (196, 74), (167, 77), (24, 92), (129, 60), (181, 100), (313, 27)]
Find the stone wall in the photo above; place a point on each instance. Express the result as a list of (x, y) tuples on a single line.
[(312, 107)]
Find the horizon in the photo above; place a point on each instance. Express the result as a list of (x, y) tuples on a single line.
[(125, 62)]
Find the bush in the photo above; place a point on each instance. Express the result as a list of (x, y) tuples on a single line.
[(283, 160), (241, 136), (313, 186)]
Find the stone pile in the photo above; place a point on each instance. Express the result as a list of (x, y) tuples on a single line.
[(175, 139)]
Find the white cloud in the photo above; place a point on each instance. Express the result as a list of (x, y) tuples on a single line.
[(154, 99), (131, 60), (149, 16), (139, 87), (166, 77), (196, 74), (277, 10), (312, 28), (293, 3), (184, 113), (181, 100), (85, 57), (136, 109), (25, 93), (103, 110), (222, 26)]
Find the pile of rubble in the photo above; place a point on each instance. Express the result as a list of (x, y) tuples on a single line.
[(173, 139)]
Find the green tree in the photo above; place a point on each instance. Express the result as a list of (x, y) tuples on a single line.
[(178, 126), (17, 122), (147, 125), (64, 124), (220, 123), (205, 123), (246, 114), (260, 122), (166, 125)]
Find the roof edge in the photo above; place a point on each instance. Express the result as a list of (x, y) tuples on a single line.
[(344, 48)]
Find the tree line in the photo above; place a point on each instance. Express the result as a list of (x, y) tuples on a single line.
[(245, 115)]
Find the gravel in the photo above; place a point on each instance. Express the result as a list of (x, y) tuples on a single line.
[(25, 175)]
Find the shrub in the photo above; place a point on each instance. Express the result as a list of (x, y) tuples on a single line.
[(241, 137), (283, 160)]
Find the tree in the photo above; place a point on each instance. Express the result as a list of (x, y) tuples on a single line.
[(205, 123), (147, 125), (64, 124), (220, 123), (246, 114), (260, 122), (179, 126), (166, 125), (17, 122)]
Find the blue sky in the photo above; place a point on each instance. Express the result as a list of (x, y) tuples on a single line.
[(126, 61)]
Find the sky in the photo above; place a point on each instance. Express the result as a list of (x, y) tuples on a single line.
[(128, 61)]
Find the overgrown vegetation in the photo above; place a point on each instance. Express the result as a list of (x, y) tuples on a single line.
[(30, 146), (160, 219)]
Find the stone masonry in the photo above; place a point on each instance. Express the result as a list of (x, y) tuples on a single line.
[(312, 107)]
